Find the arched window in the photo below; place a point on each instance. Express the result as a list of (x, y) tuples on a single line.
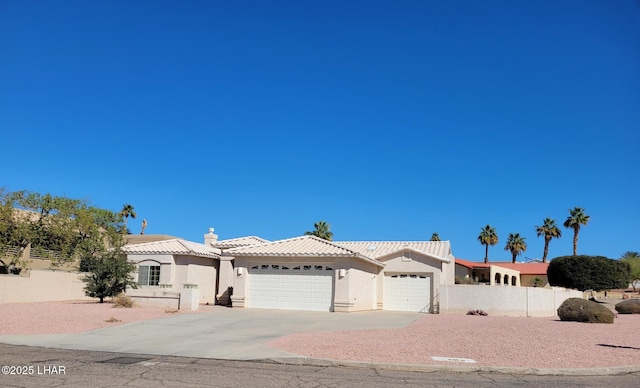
[(514, 281), (506, 280), (498, 279)]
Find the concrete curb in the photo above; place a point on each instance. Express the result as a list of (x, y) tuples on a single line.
[(604, 371)]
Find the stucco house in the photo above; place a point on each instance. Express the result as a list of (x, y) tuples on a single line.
[(503, 273), (300, 273)]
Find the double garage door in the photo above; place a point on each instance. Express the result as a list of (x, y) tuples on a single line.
[(407, 292), (291, 287)]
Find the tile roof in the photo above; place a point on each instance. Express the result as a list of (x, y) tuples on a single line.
[(523, 268), (378, 249), (304, 246), (239, 242), (172, 247)]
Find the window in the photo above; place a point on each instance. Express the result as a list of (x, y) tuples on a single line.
[(406, 256), (149, 275)]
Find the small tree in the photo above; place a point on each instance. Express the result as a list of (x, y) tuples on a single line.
[(633, 259), (588, 272), (110, 273), (435, 237)]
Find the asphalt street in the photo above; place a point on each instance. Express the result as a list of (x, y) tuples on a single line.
[(104, 369)]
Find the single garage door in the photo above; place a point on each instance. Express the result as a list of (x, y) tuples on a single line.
[(407, 292), (291, 287)]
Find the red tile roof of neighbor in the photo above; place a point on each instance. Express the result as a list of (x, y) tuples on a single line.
[(523, 268)]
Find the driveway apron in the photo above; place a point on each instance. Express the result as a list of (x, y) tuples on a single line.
[(221, 333)]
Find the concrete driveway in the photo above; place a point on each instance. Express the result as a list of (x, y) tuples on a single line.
[(221, 333)]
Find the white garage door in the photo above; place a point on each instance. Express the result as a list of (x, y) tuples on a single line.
[(291, 287), (407, 292)]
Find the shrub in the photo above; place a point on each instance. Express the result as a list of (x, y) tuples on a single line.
[(109, 274), (464, 280), (629, 306), (581, 310), (123, 300), (588, 272), (477, 312)]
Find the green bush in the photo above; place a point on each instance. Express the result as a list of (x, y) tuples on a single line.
[(588, 272), (581, 310), (629, 306)]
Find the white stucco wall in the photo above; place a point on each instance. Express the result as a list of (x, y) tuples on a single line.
[(503, 301)]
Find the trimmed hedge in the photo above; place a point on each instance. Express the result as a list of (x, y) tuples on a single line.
[(588, 273)]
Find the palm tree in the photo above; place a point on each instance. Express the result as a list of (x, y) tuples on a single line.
[(435, 237), (126, 212), (575, 219), (630, 255), (488, 236), (321, 230), (516, 245), (549, 230)]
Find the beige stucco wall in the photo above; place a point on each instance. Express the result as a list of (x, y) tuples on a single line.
[(198, 270), (503, 301), (178, 270), (356, 291), (42, 286)]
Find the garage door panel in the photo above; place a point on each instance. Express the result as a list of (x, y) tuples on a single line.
[(407, 292), (309, 287)]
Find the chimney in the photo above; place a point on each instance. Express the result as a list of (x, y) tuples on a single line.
[(210, 238)]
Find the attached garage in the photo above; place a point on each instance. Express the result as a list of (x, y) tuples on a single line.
[(407, 292), (291, 287)]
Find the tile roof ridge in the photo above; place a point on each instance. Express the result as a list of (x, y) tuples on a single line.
[(155, 242)]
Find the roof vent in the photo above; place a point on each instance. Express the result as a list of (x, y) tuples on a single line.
[(371, 248)]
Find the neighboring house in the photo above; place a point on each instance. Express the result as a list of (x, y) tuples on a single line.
[(301, 273), (503, 273)]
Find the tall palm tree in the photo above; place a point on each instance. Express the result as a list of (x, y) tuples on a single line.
[(516, 245), (321, 230), (549, 230), (126, 212), (435, 237), (575, 219), (488, 236)]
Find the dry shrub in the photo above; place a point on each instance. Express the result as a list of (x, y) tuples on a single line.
[(477, 312), (123, 300), (171, 311), (113, 320)]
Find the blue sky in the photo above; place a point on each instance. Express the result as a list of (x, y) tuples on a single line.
[(389, 120)]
